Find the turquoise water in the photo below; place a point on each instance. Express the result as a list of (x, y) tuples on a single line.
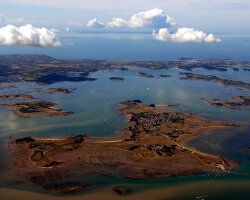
[(95, 113)]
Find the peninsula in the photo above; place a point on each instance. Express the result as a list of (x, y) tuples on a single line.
[(237, 102), (226, 82)]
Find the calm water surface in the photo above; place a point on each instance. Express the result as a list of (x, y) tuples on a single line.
[(137, 46)]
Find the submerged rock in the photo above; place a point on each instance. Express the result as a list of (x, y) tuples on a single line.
[(66, 188)]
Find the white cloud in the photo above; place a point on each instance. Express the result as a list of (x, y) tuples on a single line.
[(117, 22), (55, 30), (171, 21), (95, 23), (154, 18), (184, 35), (67, 30), (27, 36)]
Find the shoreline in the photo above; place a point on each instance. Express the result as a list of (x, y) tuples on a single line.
[(196, 189)]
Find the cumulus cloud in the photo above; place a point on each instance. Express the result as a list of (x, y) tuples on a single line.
[(171, 21), (27, 36), (154, 18), (55, 30), (94, 23), (117, 22), (184, 35)]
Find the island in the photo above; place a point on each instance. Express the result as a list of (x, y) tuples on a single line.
[(120, 68), (152, 145), (143, 74), (115, 78), (56, 90), (226, 82), (31, 109), (165, 76), (15, 96), (56, 77), (237, 102)]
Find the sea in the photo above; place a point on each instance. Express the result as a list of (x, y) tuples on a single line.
[(136, 46)]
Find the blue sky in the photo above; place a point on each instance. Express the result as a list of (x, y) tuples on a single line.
[(216, 16)]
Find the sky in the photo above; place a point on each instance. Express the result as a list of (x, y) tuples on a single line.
[(208, 15), (167, 20)]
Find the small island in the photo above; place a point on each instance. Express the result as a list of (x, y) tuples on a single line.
[(226, 82), (165, 76), (31, 109), (237, 102), (120, 68), (143, 74), (115, 78), (55, 77), (151, 146), (57, 90), (16, 97)]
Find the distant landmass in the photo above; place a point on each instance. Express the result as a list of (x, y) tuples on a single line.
[(44, 69)]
